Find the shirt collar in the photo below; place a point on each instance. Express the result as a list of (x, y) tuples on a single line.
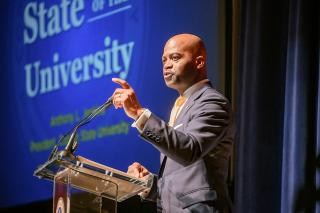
[(195, 87)]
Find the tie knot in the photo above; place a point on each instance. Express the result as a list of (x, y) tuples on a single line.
[(180, 101)]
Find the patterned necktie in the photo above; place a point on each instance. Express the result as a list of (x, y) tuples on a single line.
[(175, 110)]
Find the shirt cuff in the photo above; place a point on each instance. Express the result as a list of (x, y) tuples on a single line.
[(141, 121)]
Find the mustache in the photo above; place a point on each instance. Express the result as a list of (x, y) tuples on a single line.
[(166, 72)]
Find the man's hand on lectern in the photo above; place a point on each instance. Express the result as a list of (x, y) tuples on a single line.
[(138, 171)]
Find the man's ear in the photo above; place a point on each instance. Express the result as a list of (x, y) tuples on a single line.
[(200, 62)]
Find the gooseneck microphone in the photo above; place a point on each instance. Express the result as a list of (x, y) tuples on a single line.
[(72, 142)]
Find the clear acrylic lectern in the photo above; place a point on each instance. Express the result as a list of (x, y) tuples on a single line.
[(82, 185)]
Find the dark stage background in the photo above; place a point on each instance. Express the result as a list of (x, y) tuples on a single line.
[(278, 107)]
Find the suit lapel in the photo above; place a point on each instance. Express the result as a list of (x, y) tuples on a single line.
[(190, 102)]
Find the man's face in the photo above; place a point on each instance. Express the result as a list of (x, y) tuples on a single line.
[(179, 67)]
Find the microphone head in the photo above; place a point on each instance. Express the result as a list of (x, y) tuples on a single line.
[(109, 100)]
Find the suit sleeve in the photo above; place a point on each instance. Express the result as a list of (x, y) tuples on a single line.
[(206, 124)]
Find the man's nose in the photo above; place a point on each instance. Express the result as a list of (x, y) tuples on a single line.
[(167, 64)]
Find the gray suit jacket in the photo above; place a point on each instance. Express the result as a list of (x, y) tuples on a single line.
[(198, 149)]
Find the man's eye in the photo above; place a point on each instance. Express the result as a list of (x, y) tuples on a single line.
[(175, 58)]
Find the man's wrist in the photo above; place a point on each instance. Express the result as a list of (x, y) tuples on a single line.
[(142, 119), (139, 113)]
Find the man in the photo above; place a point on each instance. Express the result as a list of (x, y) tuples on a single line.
[(196, 144)]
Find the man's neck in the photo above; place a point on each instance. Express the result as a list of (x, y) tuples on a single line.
[(190, 84), (194, 87)]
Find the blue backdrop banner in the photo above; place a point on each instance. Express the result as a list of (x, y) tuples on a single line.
[(58, 62)]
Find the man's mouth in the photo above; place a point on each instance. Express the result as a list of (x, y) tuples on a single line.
[(168, 75)]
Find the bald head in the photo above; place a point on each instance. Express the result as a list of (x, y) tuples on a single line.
[(188, 42)]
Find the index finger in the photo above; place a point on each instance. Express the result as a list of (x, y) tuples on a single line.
[(122, 82)]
